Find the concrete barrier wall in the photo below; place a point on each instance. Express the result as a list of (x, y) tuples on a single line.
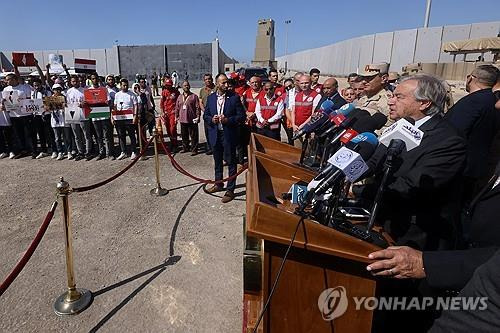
[(398, 48)]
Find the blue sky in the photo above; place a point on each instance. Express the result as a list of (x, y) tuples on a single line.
[(58, 24)]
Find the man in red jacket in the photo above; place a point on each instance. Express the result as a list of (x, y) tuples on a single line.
[(169, 96)]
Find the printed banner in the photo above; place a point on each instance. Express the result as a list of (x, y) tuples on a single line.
[(123, 114), (32, 106), (73, 114), (12, 104), (54, 102), (56, 61), (23, 59), (96, 96)]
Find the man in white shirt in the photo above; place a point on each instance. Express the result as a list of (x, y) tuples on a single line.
[(22, 122), (102, 126), (269, 110), (81, 130), (125, 118)]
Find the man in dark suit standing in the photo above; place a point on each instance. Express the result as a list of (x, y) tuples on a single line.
[(223, 114), (421, 202), (330, 91), (476, 118)]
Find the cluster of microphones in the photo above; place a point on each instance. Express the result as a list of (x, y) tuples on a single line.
[(348, 141)]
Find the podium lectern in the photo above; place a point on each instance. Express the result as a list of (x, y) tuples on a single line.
[(321, 257)]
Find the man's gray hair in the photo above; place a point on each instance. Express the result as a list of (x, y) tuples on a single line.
[(486, 74), (429, 88)]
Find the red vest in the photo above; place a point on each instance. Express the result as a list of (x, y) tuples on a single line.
[(304, 108), (267, 111), (280, 91), (250, 101), (318, 88), (240, 90)]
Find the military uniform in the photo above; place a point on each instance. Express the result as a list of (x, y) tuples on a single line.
[(379, 101)]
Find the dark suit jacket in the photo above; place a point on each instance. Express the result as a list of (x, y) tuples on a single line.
[(476, 119), (233, 111), (337, 100), (421, 201), (484, 283), (452, 269)]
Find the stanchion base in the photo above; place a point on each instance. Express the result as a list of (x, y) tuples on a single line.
[(62, 307), (158, 191)]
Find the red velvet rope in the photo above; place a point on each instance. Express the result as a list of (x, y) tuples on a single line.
[(106, 181), (29, 252)]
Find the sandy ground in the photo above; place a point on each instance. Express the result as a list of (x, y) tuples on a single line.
[(154, 264)]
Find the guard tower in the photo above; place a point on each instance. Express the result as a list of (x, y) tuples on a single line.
[(264, 44)]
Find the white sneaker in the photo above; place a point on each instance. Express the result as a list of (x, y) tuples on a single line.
[(3, 155), (54, 155), (60, 156), (41, 155), (12, 155), (70, 156), (122, 156), (133, 156)]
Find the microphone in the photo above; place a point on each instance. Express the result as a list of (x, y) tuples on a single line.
[(317, 120), (346, 116), (403, 130), (345, 163), (366, 124), (353, 145)]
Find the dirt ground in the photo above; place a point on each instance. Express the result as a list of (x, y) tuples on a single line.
[(154, 264)]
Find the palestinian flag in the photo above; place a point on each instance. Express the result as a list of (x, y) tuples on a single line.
[(99, 112), (85, 65)]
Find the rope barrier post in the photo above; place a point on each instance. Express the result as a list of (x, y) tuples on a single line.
[(74, 300), (158, 190), (139, 136)]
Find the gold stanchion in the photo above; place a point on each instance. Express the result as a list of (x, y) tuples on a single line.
[(158, 190), (139, 137), (74, 300)]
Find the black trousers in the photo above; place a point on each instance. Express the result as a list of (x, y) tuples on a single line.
[(227, 152), (25, 133), (6, 143), (124, 127), (244, 139), (288, 131), (270, 133), (189, 130)]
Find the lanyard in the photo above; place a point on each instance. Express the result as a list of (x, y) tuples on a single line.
[(220, 105)]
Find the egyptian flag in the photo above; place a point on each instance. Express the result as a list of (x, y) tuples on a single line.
[(85, 65)]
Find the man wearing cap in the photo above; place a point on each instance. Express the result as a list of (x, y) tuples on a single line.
[(169, 97), (374, 79)]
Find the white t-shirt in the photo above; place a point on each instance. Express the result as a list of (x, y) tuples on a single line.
[(125, 100), (74, 95)]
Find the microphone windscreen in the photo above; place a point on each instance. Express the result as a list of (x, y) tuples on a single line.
[(365, 137), (379, 120), (358, 113), (326, 106), (365, 149), (346, 109)]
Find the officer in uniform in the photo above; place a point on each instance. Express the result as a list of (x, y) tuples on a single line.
[(374, 99)]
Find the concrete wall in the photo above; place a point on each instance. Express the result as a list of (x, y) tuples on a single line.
[(398, 48), (193, 60)]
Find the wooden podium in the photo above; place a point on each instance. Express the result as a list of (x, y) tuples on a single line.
[(321, 257)]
